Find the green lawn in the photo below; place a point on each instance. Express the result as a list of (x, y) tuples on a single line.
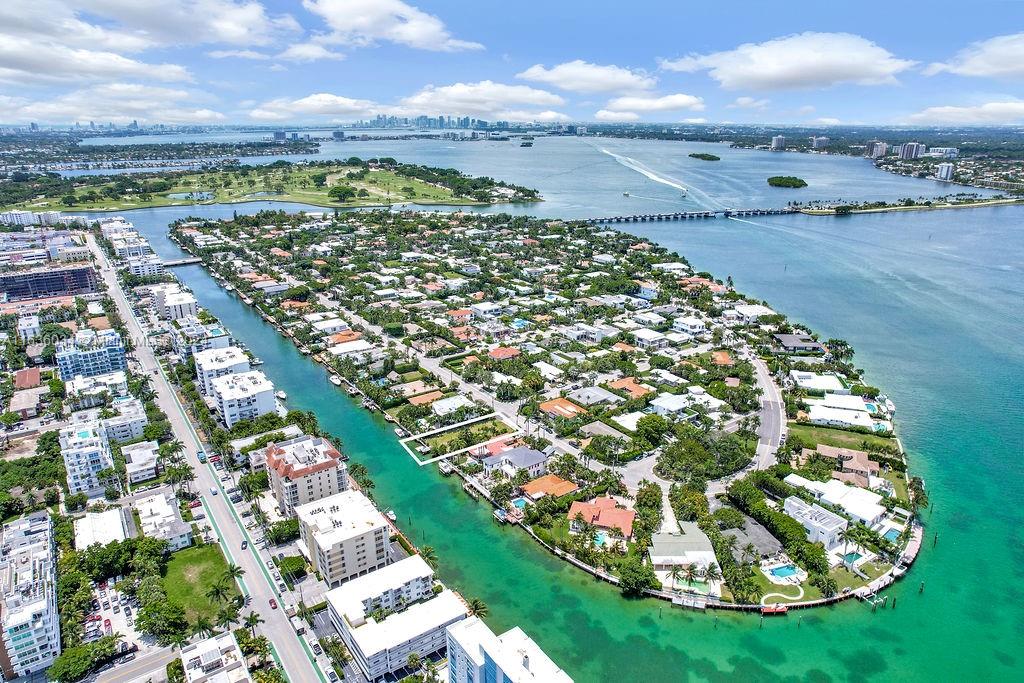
[(835, 437), (899, 482), (190, 573), (482, 431), (766, 586)]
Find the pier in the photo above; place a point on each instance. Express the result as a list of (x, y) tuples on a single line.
[(691, 215)]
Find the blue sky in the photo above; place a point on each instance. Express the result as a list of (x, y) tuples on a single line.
[(330, 61)]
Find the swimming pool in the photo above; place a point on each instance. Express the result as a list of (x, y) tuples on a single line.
[(519, 502), (891, 535), (600, 538), (871, 407), (784, 571), (850, 558)]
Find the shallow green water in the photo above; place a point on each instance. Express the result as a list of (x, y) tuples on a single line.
[(932, 302)]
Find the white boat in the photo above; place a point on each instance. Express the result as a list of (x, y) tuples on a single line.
[(390, 514), (281, 395), (335, 380), (256, 361)]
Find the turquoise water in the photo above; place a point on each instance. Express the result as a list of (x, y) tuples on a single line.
[(850, 558), (600, 538), (519, 503), (891, 535), (784, 571), (932, 303)]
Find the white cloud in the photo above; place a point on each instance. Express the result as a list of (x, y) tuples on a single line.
[(23, 61), (336, 107), (826, 121), (999, 57), (748, 103), (237, 54), (675, 102), (616, 116), (177, 22), (805, 110), (366, 22), (695, 120), (308, 52), (584, 77), (804, 60), (991, 113), (116, 102), (483, 99)]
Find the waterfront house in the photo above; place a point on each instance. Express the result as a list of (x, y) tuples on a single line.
[(560, 407), (798, 343), (548, 485), (822, 526), (605, 514), (511, 461)]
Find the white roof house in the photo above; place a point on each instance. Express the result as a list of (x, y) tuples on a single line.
[(813, 381), (822, 526), (860, 504), (670, 405), (447, 406), (838, 417), (160, 518), (100, 527)]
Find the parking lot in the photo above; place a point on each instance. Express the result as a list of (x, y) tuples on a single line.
[(112, 612)]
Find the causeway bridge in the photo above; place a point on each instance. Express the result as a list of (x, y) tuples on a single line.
[(691, 215)]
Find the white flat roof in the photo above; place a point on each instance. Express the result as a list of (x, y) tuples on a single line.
[(241, 385), (344, 515), (373, 637), (100, 527), (515, 653)]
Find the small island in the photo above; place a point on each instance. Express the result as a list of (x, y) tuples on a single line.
[(704, 156), (786, 181)]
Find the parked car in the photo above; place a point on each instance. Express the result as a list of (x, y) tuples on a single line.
[(196, 503), (332, 677), (317, 650), (213, 490), (245, 544), (273, 604)]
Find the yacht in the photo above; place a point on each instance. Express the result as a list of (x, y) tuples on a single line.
[(625, 194), (281, 395), (335, 380)]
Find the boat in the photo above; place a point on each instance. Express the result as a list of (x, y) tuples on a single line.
[(229, 288), (625, 194), (470, 490), (390, 514), (352, 391), (335, 380), (500, 515), (446, 467), (399, 431), (281, 395), (526, 144), (256, 361), (774, 609)]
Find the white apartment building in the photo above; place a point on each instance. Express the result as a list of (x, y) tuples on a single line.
[(28, 597), (28, 327), (101, 527), (160, 518), (778, 142), (382, 647), (944, 171), (190, 336), (128, 423), (111, 227), (215, 660), (243, 396), (179, 305), (90, 353), (214, 363), (86, 452), (86, 392), (141, 461), (690, 325), (343, 536), (476, 654), (148, 265), (159, 294), (129, 245), (303, 470)]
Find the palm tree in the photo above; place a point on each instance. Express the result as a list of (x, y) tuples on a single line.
[(846, 535), (203, 627), (691, 573), (233, 573), (226, 617), (429, 556), (218, 592), (749, 552), (675, 574), (478, 608), (414, 662), (712, 573), (260, 648), (252, 621)]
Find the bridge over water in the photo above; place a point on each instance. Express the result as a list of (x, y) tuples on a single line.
[(690, 215)]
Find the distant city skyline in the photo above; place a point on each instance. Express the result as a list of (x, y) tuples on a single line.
[(327, 62)]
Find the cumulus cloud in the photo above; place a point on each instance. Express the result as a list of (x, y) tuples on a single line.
[(116, 102), (483, 99), (748, 103), (645, 103), (317, 105), (308, 52), (826, 121), (804, 60), (999, 57), (362, 23), (990, 113), (584, 77), (175, 22), (23, 61), (616, 116)]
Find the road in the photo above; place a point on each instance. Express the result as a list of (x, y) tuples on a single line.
[(151, 665), (291, 652)]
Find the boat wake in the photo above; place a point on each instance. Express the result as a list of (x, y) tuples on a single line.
[(632, 164)]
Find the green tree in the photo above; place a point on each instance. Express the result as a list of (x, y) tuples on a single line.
[(478, 608), (636, 576)]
